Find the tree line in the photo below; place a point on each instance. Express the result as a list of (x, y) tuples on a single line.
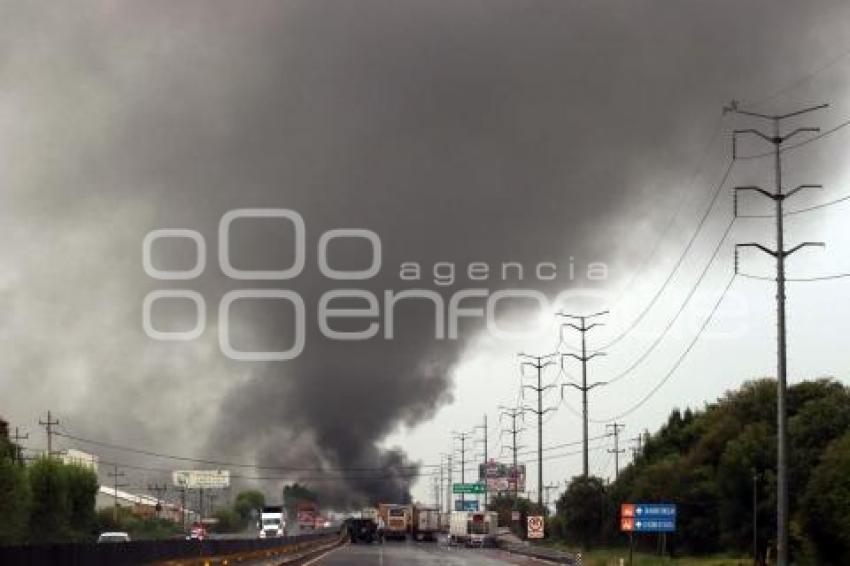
[(45, 501), (718, 464)]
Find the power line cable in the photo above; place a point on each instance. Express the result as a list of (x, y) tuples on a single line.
[(679, 261), (800, 81), (672, 221), (797, 279), (678, 362), (800, 210), (639, 360), (222, 462)]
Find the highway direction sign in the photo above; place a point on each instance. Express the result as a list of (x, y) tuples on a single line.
[(648, 517), (468, 488), (468, 505)]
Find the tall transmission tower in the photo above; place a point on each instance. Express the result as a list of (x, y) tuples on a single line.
[(48, 427), (548, 489), (484, 440), (583, 327), (779, 253), (463, 437), (449, 500), (637, 446), (513, 431), (616, 428), (442, 484), (538, 363), (19, 450)]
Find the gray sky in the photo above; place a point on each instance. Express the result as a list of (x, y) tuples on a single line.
[(457, 131)]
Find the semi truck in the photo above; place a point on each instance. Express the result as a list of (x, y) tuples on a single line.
[(272, 522), (426, 523), (397, 520), (306, 512), (474, 528)]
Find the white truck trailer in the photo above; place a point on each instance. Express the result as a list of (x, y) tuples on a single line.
[(426, 523), (474, 528)]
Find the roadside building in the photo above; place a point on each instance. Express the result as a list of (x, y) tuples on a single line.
[(80, 458), (141, 505)]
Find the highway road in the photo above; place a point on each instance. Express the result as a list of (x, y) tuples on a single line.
[(418, 554)]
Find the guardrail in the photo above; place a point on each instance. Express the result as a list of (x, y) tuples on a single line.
[(539, 552), (144, 551)]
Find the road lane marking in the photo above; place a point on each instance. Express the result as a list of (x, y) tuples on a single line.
[(313, 561)]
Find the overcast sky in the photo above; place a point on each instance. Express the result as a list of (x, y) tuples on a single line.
[(568, 132)]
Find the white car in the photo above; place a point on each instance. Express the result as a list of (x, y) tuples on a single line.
[(113, 537)]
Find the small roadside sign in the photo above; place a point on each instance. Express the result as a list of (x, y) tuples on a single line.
[(535, 526), (514, 515), (472, 488)]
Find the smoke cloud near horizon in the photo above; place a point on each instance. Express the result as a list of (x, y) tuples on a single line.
[(457, 131)]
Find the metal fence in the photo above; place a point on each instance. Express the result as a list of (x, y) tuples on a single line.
[(138, 552)]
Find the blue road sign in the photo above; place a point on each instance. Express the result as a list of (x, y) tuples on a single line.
[(654, 517), (466, 505), (655, 525)]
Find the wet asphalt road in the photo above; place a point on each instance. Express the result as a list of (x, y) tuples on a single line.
[(418, 553)]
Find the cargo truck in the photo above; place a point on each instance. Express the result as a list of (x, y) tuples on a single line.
[(272, 522), (306, 512), (474, 528), (426, 523), (397, 520)]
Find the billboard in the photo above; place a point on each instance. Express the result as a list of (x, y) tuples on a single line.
[(201, 479), (502, 477)]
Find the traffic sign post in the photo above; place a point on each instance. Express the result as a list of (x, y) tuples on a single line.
[(535, 526), (647, 518), (468, 488)]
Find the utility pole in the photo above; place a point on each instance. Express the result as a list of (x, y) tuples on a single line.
[(16, 440), (449, 490), (637, 446), (116, 476), (463, 437), (513, 431), (484, 428), (539, 364), (437, 483), (183, 507), (549, 488), (779, 254), (583, 327), (158, 490), (441, 492), (615, 432), (48, 427), (755, 518)]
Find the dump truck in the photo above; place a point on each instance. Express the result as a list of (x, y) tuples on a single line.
[(426, 523), (397, 519)]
